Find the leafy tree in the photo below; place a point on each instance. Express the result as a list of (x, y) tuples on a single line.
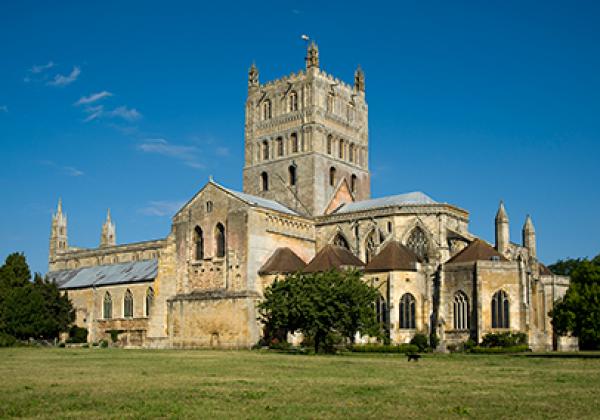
[(320, 305), (565, 267), (578, 311)]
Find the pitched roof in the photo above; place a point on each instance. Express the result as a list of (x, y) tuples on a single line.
[(104, 275), (332, 257), (478, 250), (282, 261), (260, 202), (394, 257), (544, 270), (412, 198)]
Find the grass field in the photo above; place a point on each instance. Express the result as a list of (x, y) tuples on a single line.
[(92, 383)]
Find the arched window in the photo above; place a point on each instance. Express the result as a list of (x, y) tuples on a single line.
[(461, 311), (107, 306), (407, 311), (267, 109), (128, 305), (279, 142), (265, 149), (209, 206), (264, 181), (332, 176), (381, 310), (374, 239), (292, 175), (500, 310), (199, 243), (149, 300), (293, 101), (341, 149), (294, 141), (353, 183), (417, 242), (329, 143), (340, 241), (220, 240), (351, 152)]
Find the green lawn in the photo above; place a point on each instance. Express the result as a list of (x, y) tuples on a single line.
[(91, 383)]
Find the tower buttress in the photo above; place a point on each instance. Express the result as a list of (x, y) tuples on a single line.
[(58, 233), (109, 236), (529, 240), (502, 230)]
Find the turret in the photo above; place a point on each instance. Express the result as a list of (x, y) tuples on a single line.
[(58, 233), (109, 237), (529, 241), (359, 80), (502, 230), (312, 56), (253, 77)]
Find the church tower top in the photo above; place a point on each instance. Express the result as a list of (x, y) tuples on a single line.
[(312, 56)]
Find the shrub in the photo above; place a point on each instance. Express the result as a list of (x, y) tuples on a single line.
[(85, 346), (379, 348), (421, 341), (434, 341), (77, 335), (505, 339), (103, 344), (469, 344), (276, 344), (62, 345), (496, 350), (7, 340)]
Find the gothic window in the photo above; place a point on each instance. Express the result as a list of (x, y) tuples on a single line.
[(407, 312), (107, 306), (293, 101), (372, 243), (353, 183), (381, 310), (209, 206), (264, 181), (265, 149), (266, 109), (292, 175), (500, 310), (340, 241), (149, 300), (329, 143), (341, 150), (199, 243), (279, 142), (330, 101), (351, 152), (332, 176), (461, 311), (294, 140), (128, 304), (417, 242), (220, 240)]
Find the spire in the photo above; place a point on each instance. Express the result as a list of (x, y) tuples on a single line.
[(359, 79), (501, 215), (108, 215), (108, 237), (58, 232), (529, 240), (502, 230), (59, 207), (312, 56), (253, 76)]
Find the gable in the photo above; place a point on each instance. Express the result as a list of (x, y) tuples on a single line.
[(341, 196)]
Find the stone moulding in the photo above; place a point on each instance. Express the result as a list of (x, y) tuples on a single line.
[(214, 295)]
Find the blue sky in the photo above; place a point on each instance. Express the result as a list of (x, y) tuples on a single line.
[(132, 105)]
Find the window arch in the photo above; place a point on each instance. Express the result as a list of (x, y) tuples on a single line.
[(220, 240), (381, 310), (340, 241), (267, 111), (351, 152), (264, 181), (209, 206), (107, 306), (149, 300), (329, 143), (407, 311), (374, 239), (341, 149), (279, 143), (332, 176), (265, 150), (353, 183), (417, 242), (294, 141), (293, 101), (198, 243), (461, 311), (500, 310), (128, 304), (292, 175)]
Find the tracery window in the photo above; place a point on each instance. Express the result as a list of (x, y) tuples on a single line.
[(149, 300), (461, 311), (500, 310), (417, 242), (264, 181), (128, 304), (107, 306), (279, 142), (381, 310), (340, 241), (294, 141), (293, 101), (407, 311), (220, 240), (199, 243)]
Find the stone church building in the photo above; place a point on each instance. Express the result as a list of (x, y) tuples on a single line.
[(306, 206)]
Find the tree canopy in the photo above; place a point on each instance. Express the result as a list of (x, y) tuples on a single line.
[(321, 304)]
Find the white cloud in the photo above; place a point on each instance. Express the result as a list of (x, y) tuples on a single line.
[(41, 68), (98, 111), (3, 108), (66, 170), (61, 80), (161, 208), (128, 114), (186, 154), (222, 151), (94, 97)]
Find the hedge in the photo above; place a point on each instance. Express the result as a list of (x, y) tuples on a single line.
[(379, 348), (496, 350)]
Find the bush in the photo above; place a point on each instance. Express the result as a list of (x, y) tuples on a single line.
[(496, 350), (421, 341), (7, 340), (103, 344), (505, 339), (77, 335), (62, 345), (469, 345), (276, 344), (434, 341), (379, 348)]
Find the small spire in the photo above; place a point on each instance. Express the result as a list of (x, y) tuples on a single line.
[(108, 215), (210, 178), (528, 226), (59, 207), (359, 79), (501, 216), (253, 76), (312, 56)]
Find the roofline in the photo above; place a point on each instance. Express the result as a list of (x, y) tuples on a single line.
[(387, 210), (157, 243)]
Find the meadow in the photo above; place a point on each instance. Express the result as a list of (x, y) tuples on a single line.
[(116, 383)]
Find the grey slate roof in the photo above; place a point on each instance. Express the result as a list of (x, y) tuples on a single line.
[(104, 275), (411, 198), (261, 202)]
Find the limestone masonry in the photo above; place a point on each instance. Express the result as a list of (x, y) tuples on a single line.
[(306, 205)]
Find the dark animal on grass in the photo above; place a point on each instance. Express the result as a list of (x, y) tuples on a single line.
[(413, 356)]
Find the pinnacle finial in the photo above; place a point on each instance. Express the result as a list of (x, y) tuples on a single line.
[(59, 207), (312, 55), (359, 79), (528, 226), (501, 216), (108, 215), (253, 75)]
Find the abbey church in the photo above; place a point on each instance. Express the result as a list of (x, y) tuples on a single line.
[(306, 206)]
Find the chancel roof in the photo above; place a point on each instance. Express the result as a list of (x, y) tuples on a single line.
[(104, 275), (411, 198), (283, 261), (394, 257), (260, 202), (332, 257), (478, 250)]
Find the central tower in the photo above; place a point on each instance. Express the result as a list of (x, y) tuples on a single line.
[(306, 137)]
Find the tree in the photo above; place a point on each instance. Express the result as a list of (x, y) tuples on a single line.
[(578, 312), (565, 267), (319, 305)]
